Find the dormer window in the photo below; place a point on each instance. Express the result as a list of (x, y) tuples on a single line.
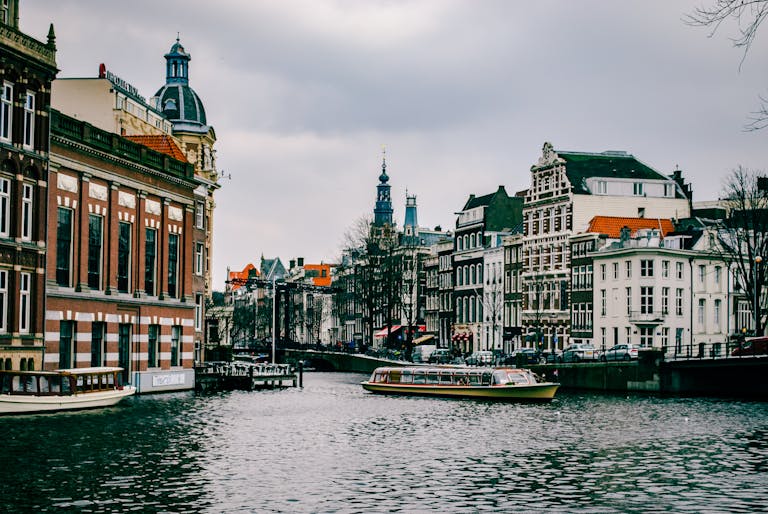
[(669, 190), (637, 189), (170, 105), (601, 187)]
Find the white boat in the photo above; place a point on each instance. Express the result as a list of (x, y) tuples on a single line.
[(515, 384), (24, 392)]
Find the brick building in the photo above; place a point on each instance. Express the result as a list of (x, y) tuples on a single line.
[(121, 259), (27, 68)]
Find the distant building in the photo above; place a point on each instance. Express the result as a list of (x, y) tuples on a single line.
[(27, 67), (567, 190)]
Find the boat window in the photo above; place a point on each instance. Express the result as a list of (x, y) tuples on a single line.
[(486, 378), (394, 376), (407, 377), (45, 384), (54, 384), (446, 378), (419, 377), (432, 378), (499, 378), (474, 379), (518, 378), (379, 377), (66, 385)]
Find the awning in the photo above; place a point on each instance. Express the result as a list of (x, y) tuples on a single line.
[(383, 331), (462, 336), (423, 339)]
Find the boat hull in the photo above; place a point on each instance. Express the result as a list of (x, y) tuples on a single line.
[(531, 392), (27, 404)]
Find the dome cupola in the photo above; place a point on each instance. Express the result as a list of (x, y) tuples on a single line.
[(177, 101)]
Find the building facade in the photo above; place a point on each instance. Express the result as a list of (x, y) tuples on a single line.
[(27, 68), (121, 261)]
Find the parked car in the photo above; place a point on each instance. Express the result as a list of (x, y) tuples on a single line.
[(753, 346), (620, 352), (441, 356), (525, 356), (483, 358), (578, 352)]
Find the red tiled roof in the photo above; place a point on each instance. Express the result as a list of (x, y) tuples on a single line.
[(162, 143), (612, 225), (242, 275), (320, 280)]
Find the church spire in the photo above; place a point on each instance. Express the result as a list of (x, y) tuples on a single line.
[(382, 213)]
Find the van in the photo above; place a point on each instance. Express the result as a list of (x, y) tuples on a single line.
[(422, 352)]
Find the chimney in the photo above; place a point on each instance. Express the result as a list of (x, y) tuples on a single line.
[(300, 261), (291, 264)]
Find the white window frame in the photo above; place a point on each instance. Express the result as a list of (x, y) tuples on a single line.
[(25, 300), (198, 312), (199, 250), (6, 112), (637, 189), (5, 207), (27, 209), (200, 214), (29, 120), (3, 301)]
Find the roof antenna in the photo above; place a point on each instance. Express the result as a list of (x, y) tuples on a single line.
[(177, 37)]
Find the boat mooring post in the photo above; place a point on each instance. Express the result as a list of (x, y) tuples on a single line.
[(301, 373)]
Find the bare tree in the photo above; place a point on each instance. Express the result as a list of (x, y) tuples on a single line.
[(743, 235), (748, 16)]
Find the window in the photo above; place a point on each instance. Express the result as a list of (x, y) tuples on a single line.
[(123, 256), (29, 121), (628, 267), (153, 350), (175, 339), (669, 190), (601, 187), (26, 211), (5, 206), (641, 212), (615, 270), (200, 215), (602, 272), (95, 242), (665, 269), (64, 247), (646, 337), (646, 300), (173, 265), (198, 312), (25, 307), (718, 308), (679, 270), (665, 300), (602, 302), (718, 277), (679, 301), (66, 331), (646, 268), (629, 301), (97, 340), (702, 308), (6, 111), (702, 274), (628, 333), (637, 189), (665, 337), (199, 259), (3, 301), (678, 340), (150, 261), (602, 337)]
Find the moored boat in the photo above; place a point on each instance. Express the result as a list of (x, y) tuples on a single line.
[(24, 392), (485, 383)]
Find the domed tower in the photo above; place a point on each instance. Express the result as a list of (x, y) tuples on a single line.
[(382, 213), (181, 105)]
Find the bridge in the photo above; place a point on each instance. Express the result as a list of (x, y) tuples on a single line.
[(337, 361)]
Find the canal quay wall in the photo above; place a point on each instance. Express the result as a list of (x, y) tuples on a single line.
[(735, 377)]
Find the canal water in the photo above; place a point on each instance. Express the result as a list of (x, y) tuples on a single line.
[(331, 447)]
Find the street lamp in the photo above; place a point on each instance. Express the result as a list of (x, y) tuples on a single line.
[(756, 305)]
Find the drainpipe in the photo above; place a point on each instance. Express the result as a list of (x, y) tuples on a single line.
[(690, 265)]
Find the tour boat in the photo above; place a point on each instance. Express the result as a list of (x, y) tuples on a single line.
[(484, 383), (23, 392)]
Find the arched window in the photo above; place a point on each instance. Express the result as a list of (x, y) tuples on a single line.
[(479, 308), (23, 364), (472, 240), (466, 241), (8, 364), (473, 274), (479, 238), (459, 312), (472, 310), (31, 365), (466, 275), (466, 309), (480, 273)]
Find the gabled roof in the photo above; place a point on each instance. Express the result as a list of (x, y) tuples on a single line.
[(162, 143), (272, 269), (611, 225), (580, 166), (248, 272)]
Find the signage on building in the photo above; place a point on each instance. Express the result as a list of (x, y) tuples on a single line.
[(104, 73), (168, 380)]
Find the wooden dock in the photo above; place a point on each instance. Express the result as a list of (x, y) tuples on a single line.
[(245, 376)]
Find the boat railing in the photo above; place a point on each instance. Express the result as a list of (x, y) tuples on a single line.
[(245, 369)]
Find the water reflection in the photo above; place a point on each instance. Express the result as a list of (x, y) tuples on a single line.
[(331, 447)]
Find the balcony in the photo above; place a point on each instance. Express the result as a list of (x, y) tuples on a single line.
[(647, 317)]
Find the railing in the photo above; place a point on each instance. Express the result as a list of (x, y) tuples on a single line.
[(646, 316), (699, 351), (245, 369)]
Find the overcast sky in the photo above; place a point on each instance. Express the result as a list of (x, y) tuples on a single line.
[(303, 94)]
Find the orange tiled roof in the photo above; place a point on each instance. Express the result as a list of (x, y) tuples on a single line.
[(319, 280), (612, 225), (162, 143), (242, 275)]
